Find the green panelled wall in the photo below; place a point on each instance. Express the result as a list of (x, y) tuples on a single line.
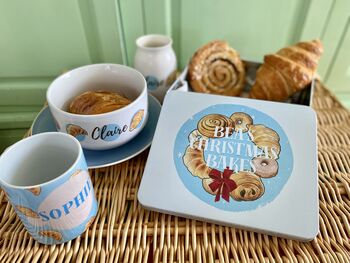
[(40, 39)]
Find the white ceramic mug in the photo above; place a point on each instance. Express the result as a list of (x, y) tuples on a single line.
[(106, 130), (46, 179), (156, 60)]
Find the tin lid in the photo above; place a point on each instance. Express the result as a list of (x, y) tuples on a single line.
[(237, 162)]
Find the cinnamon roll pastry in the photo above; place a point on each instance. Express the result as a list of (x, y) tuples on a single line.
[(52, 234), (209, 123), (249, 186), (193, 159), (266, 139), (241, 120), (265, 167), (75, 130), (97, 102), (217, 68)]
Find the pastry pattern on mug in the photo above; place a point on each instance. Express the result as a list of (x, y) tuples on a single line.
[(51, 234), (35, 190), (242, 185), (137, 119), (76, 131), (27, 211)]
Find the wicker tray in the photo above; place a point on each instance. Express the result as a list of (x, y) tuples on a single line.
[(124, 232)]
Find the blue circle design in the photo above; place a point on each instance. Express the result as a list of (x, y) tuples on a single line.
[(273, 186), (152, 82)]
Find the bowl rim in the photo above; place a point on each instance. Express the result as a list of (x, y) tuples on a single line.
[(106, 114)]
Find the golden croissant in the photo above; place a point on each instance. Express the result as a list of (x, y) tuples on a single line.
[(195, 163), (266, 139), (289, 70)]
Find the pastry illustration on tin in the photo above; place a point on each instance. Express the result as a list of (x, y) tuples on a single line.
[(52, 234), (227, 183), (27, 211), (35, 190), (76, 131), (136, 120)]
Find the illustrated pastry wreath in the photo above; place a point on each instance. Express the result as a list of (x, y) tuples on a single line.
[(242, 185)]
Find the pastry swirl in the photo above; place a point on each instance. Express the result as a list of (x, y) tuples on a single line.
[(97, 102), (207, 125), (216, 68), (249, 186)]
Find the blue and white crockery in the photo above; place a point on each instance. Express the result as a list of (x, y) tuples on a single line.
[(46, 179)]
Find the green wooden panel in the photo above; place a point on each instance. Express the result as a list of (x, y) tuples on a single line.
[(17, 120), (253, 27), (19, 109), (23, 91), (8, 137), (42, 38), (339, 73)]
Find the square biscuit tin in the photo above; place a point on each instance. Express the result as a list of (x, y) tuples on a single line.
[(236, 162)]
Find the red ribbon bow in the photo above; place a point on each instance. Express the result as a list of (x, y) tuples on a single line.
[(222, 184)]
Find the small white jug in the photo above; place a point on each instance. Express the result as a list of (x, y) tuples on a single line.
[(156, 60)]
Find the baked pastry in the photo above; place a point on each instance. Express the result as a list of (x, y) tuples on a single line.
[(35, 190), (241, 120), (249, 186), (52, 234), (136, 120), (266, 139), (216, 68), (193, 159), (195, 135), (75, 130), (289, 70), (27, 211), (265, 167), (97, 102), (207, 125)]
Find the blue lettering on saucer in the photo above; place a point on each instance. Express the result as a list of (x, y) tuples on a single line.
[(65, 209), (152, 82), (109, 132)]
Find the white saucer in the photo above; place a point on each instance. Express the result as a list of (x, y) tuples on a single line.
[(96, 159)]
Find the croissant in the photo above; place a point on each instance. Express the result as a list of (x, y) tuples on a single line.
[(249, 186), (266, 139), (217, 68), (289, 70), (97, 102), (195, 163)]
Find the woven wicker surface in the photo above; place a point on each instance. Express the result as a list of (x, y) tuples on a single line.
[(124, 232)]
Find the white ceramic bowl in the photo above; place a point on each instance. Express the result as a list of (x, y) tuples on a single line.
[(106, 130)]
